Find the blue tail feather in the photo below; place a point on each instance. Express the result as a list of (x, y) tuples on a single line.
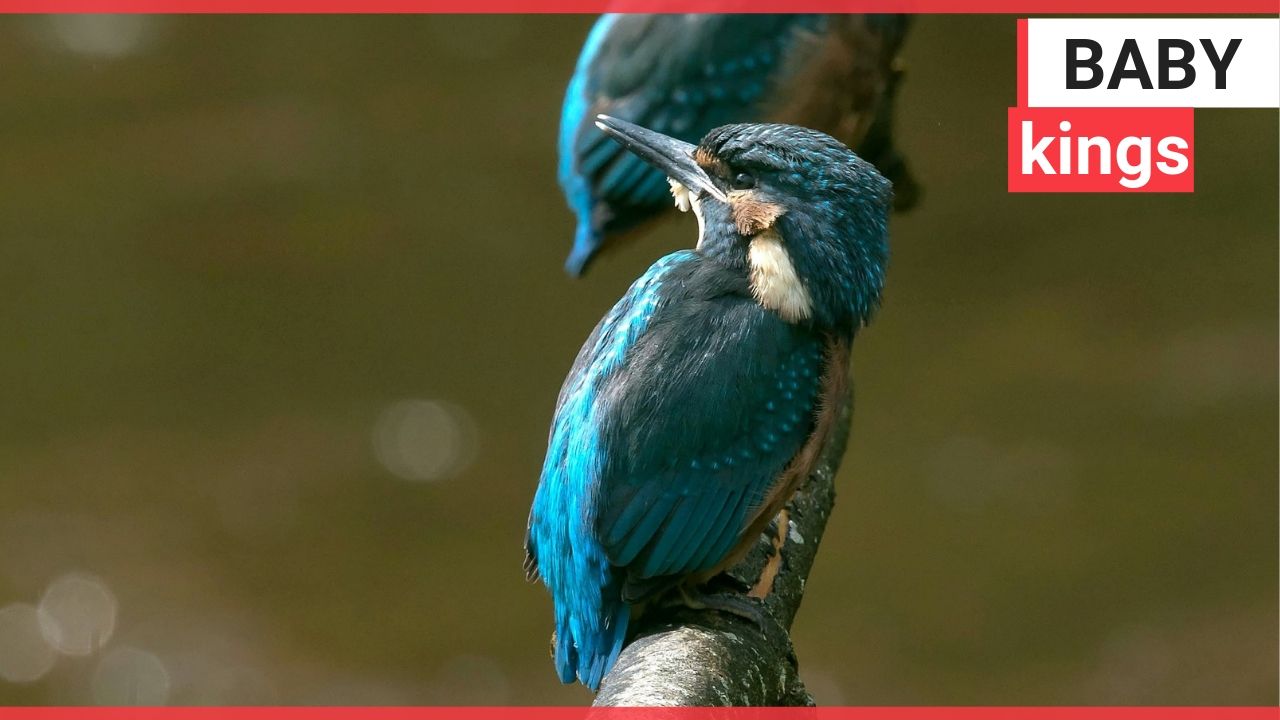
[(585, 242)]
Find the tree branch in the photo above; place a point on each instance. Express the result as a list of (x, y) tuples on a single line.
[(706, 657)]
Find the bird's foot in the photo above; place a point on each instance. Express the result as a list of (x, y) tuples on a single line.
[(734, 603)]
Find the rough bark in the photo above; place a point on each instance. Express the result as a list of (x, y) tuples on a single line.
[(708, 657)]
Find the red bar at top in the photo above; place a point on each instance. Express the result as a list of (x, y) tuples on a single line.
[(1021, 7), (582, 713)]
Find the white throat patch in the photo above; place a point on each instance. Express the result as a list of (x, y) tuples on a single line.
[(687, 201), (774, 282), (683, 198)]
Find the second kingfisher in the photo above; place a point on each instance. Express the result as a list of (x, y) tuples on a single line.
[(683, 75), (701, 400)]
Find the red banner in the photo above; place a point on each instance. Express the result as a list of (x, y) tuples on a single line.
[(1022, 7), (559, 713)]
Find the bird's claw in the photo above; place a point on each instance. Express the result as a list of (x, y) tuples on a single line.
[(738, 604), (733, 603)]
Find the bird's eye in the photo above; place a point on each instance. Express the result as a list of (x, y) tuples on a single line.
[(743, 181)]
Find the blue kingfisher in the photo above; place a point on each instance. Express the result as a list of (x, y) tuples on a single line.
[(700, 402)]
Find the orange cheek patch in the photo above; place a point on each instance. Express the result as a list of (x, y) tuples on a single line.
[(752, 215)]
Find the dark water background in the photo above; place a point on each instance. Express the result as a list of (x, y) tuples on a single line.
[(284, 321)]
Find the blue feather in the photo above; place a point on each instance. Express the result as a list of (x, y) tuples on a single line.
[(591, 618), (577, 103), (720, 507), (664, 554), (636, 509), (636, 540), (710, 504), (728, 533)]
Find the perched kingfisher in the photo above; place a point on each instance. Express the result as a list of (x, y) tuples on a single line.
[(701, 400), (685, 74)]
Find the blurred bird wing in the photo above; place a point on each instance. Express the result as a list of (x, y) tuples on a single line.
[(680, 75)]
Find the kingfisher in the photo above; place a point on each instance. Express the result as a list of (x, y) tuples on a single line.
[(683, 75), (701, 400)]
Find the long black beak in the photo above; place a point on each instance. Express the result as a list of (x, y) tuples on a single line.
[(671, 156)]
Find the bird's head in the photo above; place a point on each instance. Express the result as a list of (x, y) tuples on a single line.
[(794, 209)]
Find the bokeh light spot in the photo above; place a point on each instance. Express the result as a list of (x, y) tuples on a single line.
[(77, 614), (104, 36), (424, 440), (129, 676), (24, 654)]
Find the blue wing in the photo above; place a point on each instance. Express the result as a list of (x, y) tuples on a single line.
[(680, 75), (716, 399), (680, 413), (561, 545)]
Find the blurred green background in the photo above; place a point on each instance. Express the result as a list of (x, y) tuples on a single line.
[(284, 321)]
